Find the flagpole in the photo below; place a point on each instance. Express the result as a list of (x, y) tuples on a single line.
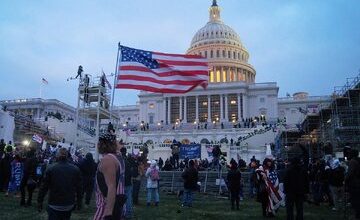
[(41, 88), (115, 78)]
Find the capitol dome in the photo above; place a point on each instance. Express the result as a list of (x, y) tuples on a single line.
[(228, 58)]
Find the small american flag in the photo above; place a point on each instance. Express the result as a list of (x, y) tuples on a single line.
[(161, 72), (43, 80), (37, 138)]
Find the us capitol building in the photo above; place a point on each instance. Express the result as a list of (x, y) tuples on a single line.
[(232, 95)]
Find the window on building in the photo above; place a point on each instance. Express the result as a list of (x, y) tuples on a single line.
[(129, 119), (217, 53), (151, 119), (206, 54), (229, 54), (234, 55), (224, 75), (223, 53), (211, 54), (262, 100), (151, 105)]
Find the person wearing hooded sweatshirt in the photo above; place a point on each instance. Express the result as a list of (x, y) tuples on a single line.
[(88, 170), (336, 182), (234, 178), (190, 177), (152, 184)]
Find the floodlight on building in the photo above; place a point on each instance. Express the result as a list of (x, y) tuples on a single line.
[(26, 143), (158, 123)]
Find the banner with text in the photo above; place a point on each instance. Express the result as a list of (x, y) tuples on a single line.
[(190, 151)]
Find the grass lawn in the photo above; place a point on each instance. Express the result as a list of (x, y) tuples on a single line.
[(205, 207)]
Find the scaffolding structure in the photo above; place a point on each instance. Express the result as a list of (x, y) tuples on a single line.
[(341, 124), (93, 112), (334, 126)]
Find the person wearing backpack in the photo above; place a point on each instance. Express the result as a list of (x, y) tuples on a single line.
[(152, 175), (336, 182)]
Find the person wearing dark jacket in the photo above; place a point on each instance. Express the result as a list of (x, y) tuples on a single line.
[(234, 178), (88, 170), (352, 181), (64, 183), (296, 186), (190, 177), (29, 178), (336, 182), (129, 174)]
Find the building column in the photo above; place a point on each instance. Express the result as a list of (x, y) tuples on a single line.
[(226, 108), (209, 110), (239, 107), (37, 113), (221, 108), (227, 74), (245, 114), (221, 74), (197, 109), (164, 110), (185, 110), (180, 108), (169, 110), (236, 74)]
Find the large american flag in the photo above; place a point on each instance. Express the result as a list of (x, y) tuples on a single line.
[(160, 72)]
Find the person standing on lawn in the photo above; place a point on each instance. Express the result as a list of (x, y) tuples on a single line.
[(190, 177), (88, 169), (64, 183), (29, 179), (234, 180), (110, 180), (296, 186), (152, 184)]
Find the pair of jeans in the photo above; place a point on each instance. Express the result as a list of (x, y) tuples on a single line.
[(234, 198), (152, 193), (30, 188), (298, 201), (88, 186), (136, 189), (128, 204), (337, 196), (58, 215), (188, 197)]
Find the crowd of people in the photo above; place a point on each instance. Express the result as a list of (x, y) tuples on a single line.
[(70, 180)]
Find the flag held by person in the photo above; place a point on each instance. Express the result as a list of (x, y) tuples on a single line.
[(106, 80), (37, 138), (43, 80), (160, 72)]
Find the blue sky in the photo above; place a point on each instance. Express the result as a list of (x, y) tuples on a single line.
[(302, 45)]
